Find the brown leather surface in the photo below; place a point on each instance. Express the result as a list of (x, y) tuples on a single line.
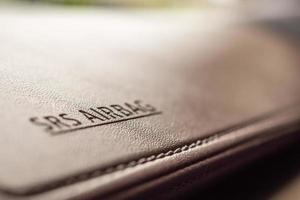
[(212, 89)]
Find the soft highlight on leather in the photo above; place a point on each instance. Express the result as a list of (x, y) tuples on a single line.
[(214, 89)]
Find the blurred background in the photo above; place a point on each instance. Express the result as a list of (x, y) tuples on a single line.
[(278, 176)]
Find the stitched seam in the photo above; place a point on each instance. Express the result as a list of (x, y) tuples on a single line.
[(142, 160), (218, 154), (119, 167), (115, 168), (200, 161)]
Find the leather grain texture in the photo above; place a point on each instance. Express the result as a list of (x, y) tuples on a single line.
[(188, 90)]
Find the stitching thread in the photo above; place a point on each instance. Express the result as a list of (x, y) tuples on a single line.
[(122, 166), (143, 160)]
